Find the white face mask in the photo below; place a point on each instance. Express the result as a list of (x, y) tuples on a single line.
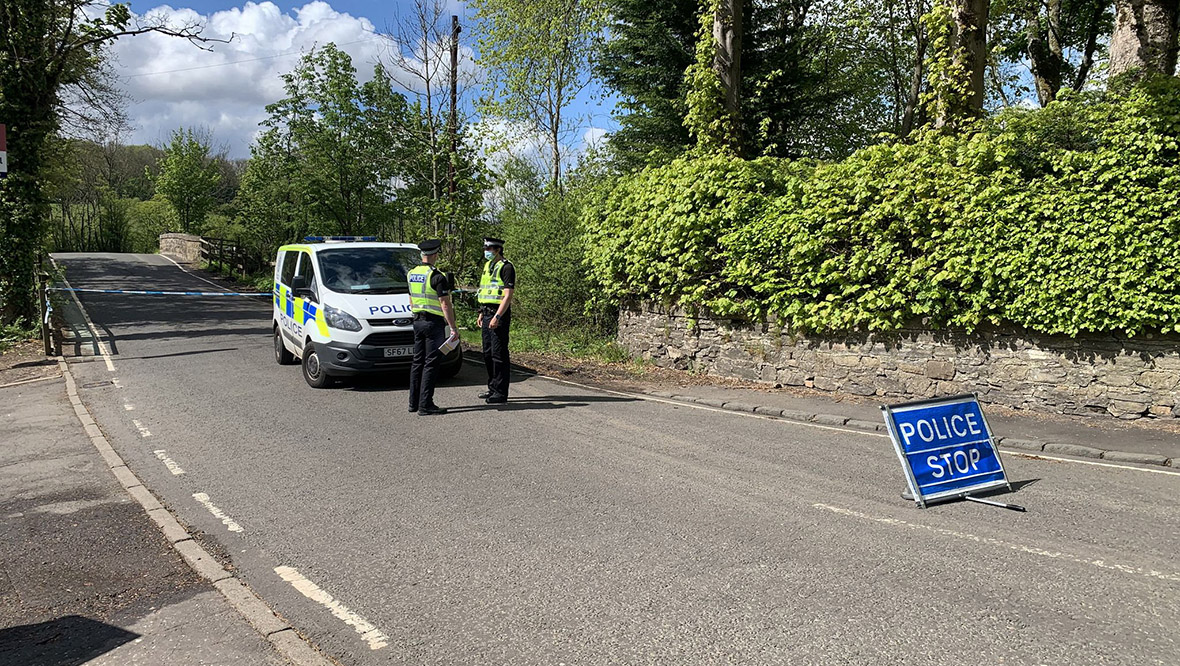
[(489, 255)]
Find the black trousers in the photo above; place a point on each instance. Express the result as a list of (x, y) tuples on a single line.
[(429, 334), (495, 351)]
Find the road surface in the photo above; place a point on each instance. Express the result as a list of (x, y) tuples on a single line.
[(575, 526)]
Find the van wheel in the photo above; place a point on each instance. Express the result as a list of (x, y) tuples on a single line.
[(313, 372), (449, 371), (282, 356)]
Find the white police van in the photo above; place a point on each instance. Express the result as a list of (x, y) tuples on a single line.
[(342, 308)]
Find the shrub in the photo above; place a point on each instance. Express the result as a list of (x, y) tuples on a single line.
[(1060, 220)]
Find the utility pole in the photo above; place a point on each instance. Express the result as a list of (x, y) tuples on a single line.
[(453, 123)]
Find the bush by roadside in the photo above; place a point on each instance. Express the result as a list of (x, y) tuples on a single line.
[(1059, 220)]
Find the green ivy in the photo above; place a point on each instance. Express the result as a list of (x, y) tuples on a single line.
[(1060, 220)]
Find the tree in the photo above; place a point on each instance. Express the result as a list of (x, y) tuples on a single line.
[(438, 158), (958, 60), (1059, 39), (649, 47), (1144, 39), (537, 56), (727, 61), (817, 78), (47, 48), (188, 178)]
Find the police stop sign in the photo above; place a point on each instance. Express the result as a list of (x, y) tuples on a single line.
[(945, 447)]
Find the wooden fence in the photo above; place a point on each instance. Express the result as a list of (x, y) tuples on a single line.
[(228, 256)]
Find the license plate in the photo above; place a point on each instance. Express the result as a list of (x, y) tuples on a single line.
[(399, 351)]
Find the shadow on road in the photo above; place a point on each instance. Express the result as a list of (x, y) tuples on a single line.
[(152, 317), (184, 353), (540, 402), (71, 640)]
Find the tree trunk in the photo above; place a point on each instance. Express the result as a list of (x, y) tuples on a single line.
[(1092, 28), (913, 102), (1044, 50), (970, 44), (727, 61), (1144, 39)]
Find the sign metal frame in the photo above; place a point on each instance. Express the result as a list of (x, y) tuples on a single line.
[(921, 499)]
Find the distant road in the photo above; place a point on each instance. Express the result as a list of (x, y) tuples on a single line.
[(584, 527)]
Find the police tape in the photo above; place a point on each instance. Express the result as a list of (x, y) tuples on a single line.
[(161, 293)]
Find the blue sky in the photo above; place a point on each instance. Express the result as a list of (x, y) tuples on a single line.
[(171, 84)]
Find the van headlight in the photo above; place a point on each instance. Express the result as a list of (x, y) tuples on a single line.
[(341, 319)]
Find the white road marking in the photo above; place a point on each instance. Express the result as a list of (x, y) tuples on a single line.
[(221, 287), (102, 348), (129, 407), (168, 462), (369, 633), (1036, 456), (1032, 550), (143, 432), (710, 408), (217, 513)]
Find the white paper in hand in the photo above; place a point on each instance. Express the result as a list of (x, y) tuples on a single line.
[(450, 344)]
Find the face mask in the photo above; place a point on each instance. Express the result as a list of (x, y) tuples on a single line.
[(489, 255)]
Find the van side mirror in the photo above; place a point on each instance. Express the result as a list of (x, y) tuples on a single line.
[(299, 282)]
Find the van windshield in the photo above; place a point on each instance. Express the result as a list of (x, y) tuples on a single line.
[(367, 270)]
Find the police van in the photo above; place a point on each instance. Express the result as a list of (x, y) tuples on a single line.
[(342, 308)]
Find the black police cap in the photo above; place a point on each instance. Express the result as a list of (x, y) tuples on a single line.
[(488, 241), (430, 246)]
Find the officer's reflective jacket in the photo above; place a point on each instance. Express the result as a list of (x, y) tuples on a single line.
[(491, 287), (423, 297)]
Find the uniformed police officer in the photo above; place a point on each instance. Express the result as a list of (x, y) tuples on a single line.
[(495, 317), (430, 301)]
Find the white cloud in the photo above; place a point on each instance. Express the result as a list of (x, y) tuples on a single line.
[(172, 83)]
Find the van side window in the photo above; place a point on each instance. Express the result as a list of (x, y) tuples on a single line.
[(289, 259), (307, 267)]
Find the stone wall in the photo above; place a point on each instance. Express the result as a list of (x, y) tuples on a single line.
[(1090, 374), (184, 248)]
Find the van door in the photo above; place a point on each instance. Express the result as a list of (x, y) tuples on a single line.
[(289, 324), (306, 306)]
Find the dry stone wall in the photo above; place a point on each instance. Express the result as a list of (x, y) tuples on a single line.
[(184, 248), (1090, 374)]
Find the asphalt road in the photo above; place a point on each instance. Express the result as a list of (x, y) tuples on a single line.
[(583, 527)]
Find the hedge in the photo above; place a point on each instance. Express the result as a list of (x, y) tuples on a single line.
[(1060, 220)]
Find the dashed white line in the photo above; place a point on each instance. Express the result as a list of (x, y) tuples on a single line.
[(230, 524), (1032, 550), (369, 633), (168, 462), (143, 432)]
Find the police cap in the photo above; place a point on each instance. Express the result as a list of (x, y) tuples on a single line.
[(488, 241), (430, 246)]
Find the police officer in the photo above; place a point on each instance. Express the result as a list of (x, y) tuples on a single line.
[(495, 317), (430, 301)]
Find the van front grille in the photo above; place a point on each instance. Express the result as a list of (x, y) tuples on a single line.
[(390, 339), (390, 322)]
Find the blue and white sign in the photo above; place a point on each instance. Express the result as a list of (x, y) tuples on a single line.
[(945, 447)]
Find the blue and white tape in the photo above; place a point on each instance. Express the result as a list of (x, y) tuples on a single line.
[(160, 293)]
